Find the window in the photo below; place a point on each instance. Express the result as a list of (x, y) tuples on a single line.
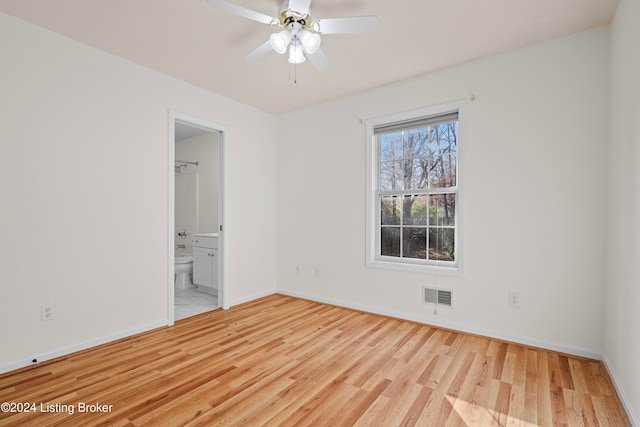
[(413, 199)]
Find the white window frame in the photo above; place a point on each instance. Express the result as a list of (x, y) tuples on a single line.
[(373, 227)]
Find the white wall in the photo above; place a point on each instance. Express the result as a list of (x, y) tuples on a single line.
[(84, 163), (540, 118), (622, 325)]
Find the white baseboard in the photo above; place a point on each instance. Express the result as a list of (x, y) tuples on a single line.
[(623, 398), (77, 347), (254, 297), (576, 351), (98, 341)]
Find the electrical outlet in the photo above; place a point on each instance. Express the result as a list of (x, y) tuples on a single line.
[(46, 312), (298, 270), (514, 299), (316, 272)]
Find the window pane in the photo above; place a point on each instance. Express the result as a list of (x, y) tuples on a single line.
[(416, 142), (414, 242), (415, 210), (442, 209), (441, 244), (391, 146), (390, 241), (444, 138), (443, 166), (416, 174), (450, 167), (391, 176), (442, 171), (390, 210)]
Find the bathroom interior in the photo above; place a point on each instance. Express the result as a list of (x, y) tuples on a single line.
[(196, 220)]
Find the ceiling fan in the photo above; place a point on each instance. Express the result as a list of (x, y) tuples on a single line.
[(300, 35)]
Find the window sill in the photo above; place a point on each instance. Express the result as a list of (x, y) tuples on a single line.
[(448, 269)]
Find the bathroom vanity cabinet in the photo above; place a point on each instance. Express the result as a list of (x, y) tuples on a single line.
[(205, 261)]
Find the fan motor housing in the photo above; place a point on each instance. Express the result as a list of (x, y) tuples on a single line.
[(287, 16)]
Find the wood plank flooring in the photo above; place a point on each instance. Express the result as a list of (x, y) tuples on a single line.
[(291, 362)]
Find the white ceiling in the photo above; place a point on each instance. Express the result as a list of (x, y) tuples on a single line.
[(189, 40)]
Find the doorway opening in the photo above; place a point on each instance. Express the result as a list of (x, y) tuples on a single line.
[(196, 242)]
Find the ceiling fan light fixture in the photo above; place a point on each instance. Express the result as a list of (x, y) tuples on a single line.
[(298, 31), (280, 41), (295, 54), (310, 41)]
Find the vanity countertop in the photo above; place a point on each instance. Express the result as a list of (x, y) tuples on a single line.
[(205, 235)]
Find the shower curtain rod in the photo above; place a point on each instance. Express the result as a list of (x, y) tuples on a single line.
[(189, 163)]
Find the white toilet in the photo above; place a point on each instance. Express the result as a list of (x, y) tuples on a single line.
[(183, 270)]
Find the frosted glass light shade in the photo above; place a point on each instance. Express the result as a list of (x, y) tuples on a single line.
[(280, 41), (295, 54), (310, 41)]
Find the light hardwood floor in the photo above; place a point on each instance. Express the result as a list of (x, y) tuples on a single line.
[(286, 361)]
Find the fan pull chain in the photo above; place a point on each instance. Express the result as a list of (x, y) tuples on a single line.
[(295, 73)]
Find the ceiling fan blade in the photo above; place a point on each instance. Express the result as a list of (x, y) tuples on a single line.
[(319, 60), (301, 6), (241, 11), (259, 52), (356, 24)]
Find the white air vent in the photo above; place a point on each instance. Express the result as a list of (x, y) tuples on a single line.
[(442, 297)]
